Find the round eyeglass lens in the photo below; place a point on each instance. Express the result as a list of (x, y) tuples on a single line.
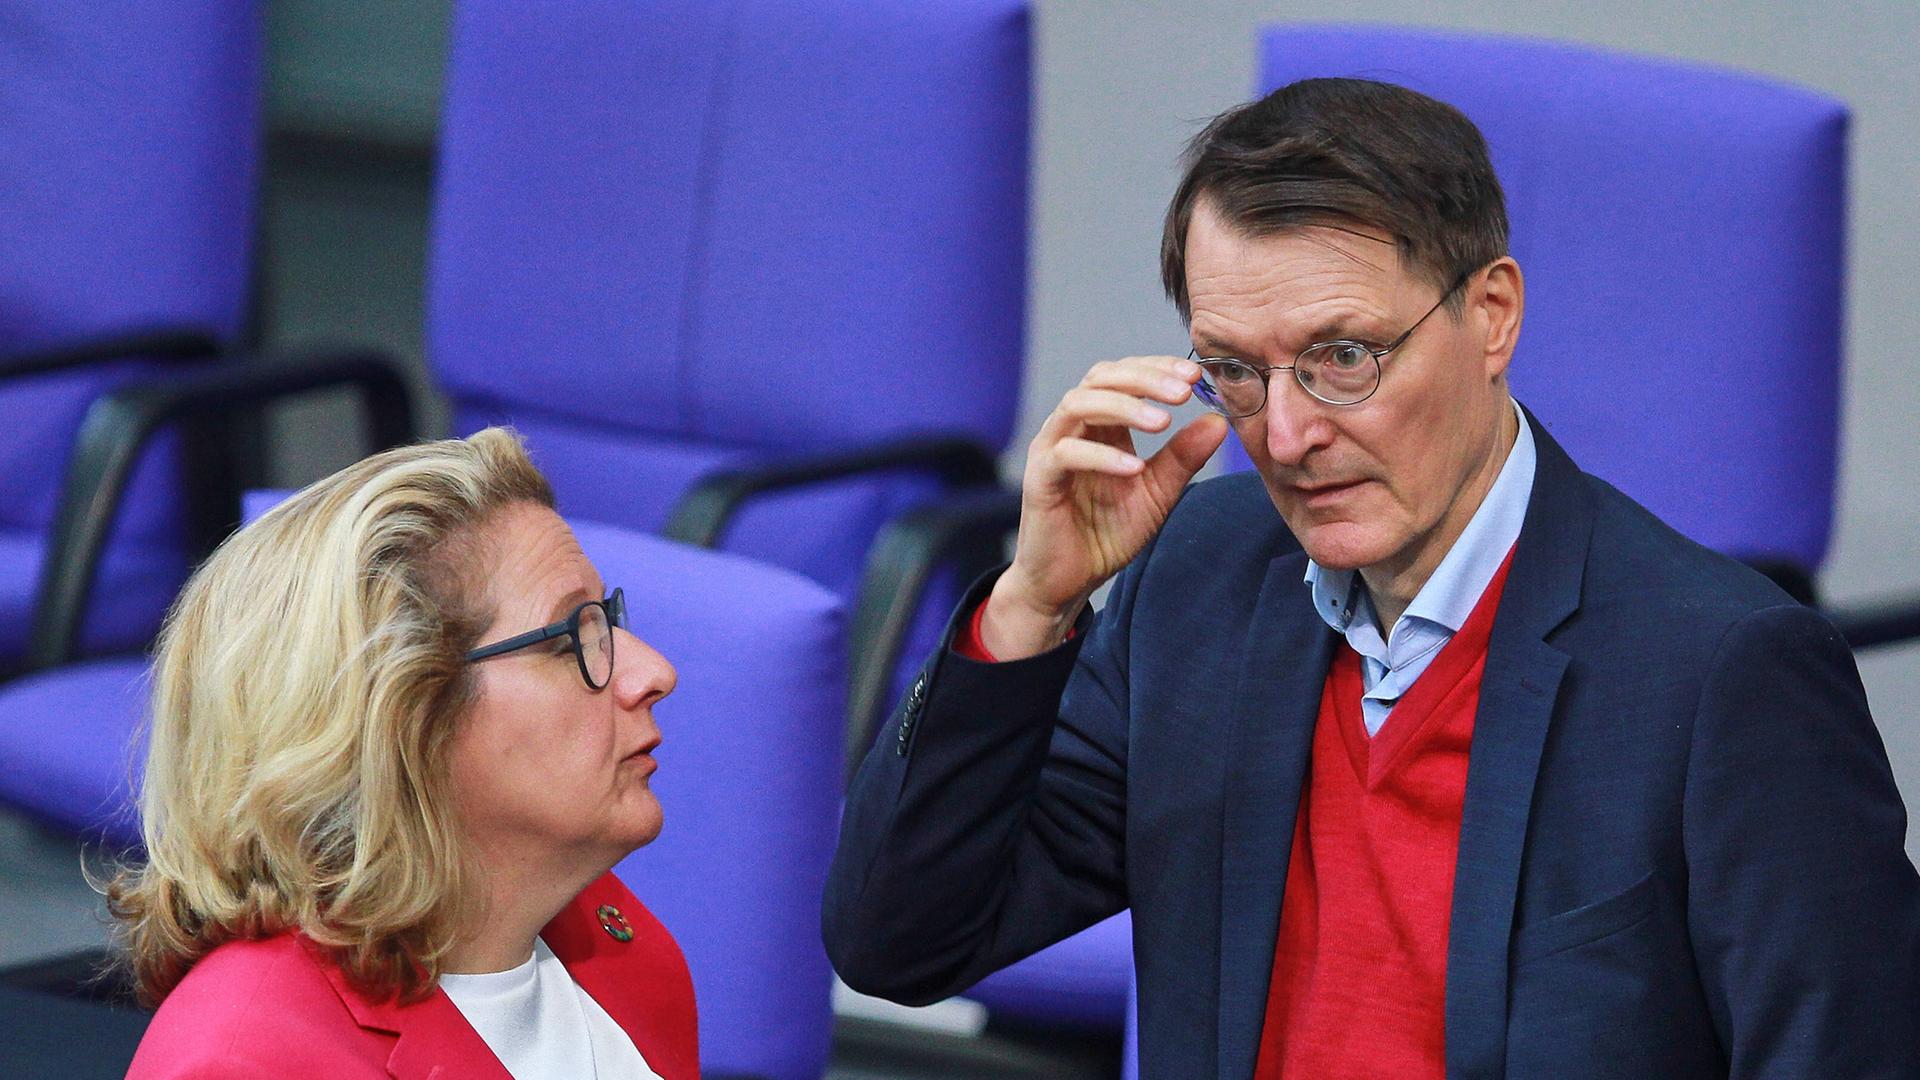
[(596, 645), (1338, 372), (1232, 388)]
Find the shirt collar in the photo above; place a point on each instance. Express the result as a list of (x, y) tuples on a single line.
[(1449, 595)]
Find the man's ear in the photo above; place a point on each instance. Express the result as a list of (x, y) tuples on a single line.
[(1498, 304)]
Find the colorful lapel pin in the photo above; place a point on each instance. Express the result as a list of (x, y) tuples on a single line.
[(614, 923)]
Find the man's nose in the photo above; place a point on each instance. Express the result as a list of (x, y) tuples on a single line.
[(1295, 424)]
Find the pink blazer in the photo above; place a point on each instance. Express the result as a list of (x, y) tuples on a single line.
[(280, 1007)]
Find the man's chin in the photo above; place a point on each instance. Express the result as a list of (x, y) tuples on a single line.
[(1341, 545)]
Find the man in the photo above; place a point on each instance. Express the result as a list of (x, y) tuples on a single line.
[(1416, 752)]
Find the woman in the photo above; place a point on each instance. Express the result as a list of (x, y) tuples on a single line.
[(399, 738)]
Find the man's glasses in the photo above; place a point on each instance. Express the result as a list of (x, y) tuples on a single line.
[(1337, 372), (591, 628)]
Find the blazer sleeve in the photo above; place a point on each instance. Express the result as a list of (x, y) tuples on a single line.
[(987, 821), (1803, 906)]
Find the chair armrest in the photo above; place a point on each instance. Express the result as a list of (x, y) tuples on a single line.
[(155, 343), (1881, 622), (967, 532), (118, 426), (704, 512)]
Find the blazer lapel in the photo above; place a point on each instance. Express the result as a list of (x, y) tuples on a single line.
[(1517, 698), (1288, 650), (436, 1043), (640, 979), (433, 1041)]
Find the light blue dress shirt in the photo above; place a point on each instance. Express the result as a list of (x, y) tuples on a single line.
[(1389, 666)]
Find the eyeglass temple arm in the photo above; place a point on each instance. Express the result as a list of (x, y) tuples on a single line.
[(521, 641)]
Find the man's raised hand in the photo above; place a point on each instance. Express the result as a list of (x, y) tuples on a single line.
[(1088, 503)]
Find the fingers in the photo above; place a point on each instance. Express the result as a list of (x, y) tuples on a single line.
[(1175, 463), (1086, 455), (1111, 407), (1166, 379), (1121, 393)]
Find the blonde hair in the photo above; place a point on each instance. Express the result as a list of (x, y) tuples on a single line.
[(306, 688)]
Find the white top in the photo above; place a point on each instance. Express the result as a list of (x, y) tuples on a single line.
[(539, 1023), (1389, 665)]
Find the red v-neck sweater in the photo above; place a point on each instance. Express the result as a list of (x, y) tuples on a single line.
[(1360, 963)]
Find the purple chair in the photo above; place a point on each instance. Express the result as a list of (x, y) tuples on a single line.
[(128, 176), (749, 273), (1682, 231), (66, 729)]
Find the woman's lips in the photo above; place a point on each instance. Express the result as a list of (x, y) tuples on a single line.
[(644, 756)]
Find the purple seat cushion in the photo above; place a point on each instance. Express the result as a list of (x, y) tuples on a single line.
[(1681, 233), (1079, 982), (67, 738)]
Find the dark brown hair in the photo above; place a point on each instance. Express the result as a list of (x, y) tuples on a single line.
[(1331, 151)]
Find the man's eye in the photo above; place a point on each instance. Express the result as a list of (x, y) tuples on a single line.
[(1348, 357)]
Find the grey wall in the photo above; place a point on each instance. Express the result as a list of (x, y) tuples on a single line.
[(1121, 86)]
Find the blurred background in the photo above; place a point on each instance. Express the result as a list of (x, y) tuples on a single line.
[(352, 119)]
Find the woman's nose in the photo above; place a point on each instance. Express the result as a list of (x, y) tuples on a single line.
[(641, 675)]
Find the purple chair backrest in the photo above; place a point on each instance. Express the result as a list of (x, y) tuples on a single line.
[(671, 238), (1681, 230), (750, 792), (128, 177)]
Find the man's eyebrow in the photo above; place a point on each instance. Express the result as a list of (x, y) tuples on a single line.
[(1209, 348), (1339, 328), (1344, 329)]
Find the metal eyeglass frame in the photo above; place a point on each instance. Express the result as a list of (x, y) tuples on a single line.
[(614, 607), (1266, 389)]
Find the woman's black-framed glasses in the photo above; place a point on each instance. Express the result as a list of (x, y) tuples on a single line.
[(591, 628), (1340, 372)]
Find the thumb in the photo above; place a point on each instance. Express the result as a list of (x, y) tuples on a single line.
[(1184, 454)]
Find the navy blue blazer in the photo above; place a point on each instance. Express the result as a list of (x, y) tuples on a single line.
[(1681, 855)]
